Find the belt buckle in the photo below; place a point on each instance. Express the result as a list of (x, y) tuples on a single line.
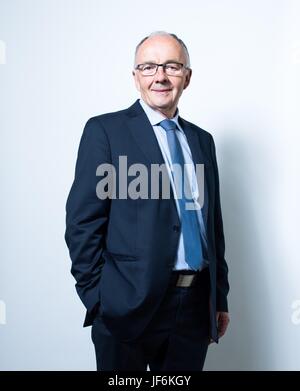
[(185, 280)]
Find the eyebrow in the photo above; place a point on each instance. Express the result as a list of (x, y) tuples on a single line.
[(165, 62)]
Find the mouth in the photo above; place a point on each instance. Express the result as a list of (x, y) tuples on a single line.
[(162, 91)]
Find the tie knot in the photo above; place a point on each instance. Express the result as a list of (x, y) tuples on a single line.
[(168, 124)]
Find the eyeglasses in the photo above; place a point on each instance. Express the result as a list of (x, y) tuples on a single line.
[(170, 68)]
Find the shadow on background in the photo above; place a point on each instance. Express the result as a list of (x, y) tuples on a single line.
[(243, 347)]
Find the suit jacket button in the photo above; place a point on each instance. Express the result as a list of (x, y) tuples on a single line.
[(176, 228)]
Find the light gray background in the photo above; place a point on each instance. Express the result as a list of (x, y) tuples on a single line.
[(63, 61)]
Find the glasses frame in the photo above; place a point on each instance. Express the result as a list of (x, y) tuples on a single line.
[(137, 67)]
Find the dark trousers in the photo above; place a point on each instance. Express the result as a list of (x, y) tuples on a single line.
[(177, 338)]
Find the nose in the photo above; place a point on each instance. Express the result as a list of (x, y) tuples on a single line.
[(160, 75)]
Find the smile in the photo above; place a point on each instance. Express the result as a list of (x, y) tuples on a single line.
[(161, 91)]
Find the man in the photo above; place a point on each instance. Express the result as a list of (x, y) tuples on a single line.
[(150, 270)]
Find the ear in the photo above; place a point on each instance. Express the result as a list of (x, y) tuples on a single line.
[(187, 78)]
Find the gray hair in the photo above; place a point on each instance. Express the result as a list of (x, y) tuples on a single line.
[(164, 33)]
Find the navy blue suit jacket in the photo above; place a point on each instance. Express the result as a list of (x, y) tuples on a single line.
[(123, 250)]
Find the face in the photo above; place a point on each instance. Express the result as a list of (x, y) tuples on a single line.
[(160, 91)]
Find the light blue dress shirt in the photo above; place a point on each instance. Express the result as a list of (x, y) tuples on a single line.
[(155, 118)]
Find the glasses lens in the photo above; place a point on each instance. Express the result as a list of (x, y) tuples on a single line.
[(148, 69), (173, 69)]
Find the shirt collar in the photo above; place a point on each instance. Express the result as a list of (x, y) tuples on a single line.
[(155, 117)]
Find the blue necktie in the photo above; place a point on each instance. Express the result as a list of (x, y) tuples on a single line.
[(189, 220)]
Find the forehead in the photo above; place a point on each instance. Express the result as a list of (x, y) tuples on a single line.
[(160, 49)]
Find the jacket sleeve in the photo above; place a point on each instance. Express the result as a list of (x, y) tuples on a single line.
[(222, 268), (87, 215)]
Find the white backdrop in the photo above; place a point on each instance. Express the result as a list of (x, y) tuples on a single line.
[(63, 61)]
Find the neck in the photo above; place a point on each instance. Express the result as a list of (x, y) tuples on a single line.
[(168, 113)]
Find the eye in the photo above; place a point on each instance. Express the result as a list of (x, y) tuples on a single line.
[(148, 67), (173, 67)]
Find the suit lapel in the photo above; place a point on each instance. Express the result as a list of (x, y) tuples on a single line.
[(194, 143), (144, 136)]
